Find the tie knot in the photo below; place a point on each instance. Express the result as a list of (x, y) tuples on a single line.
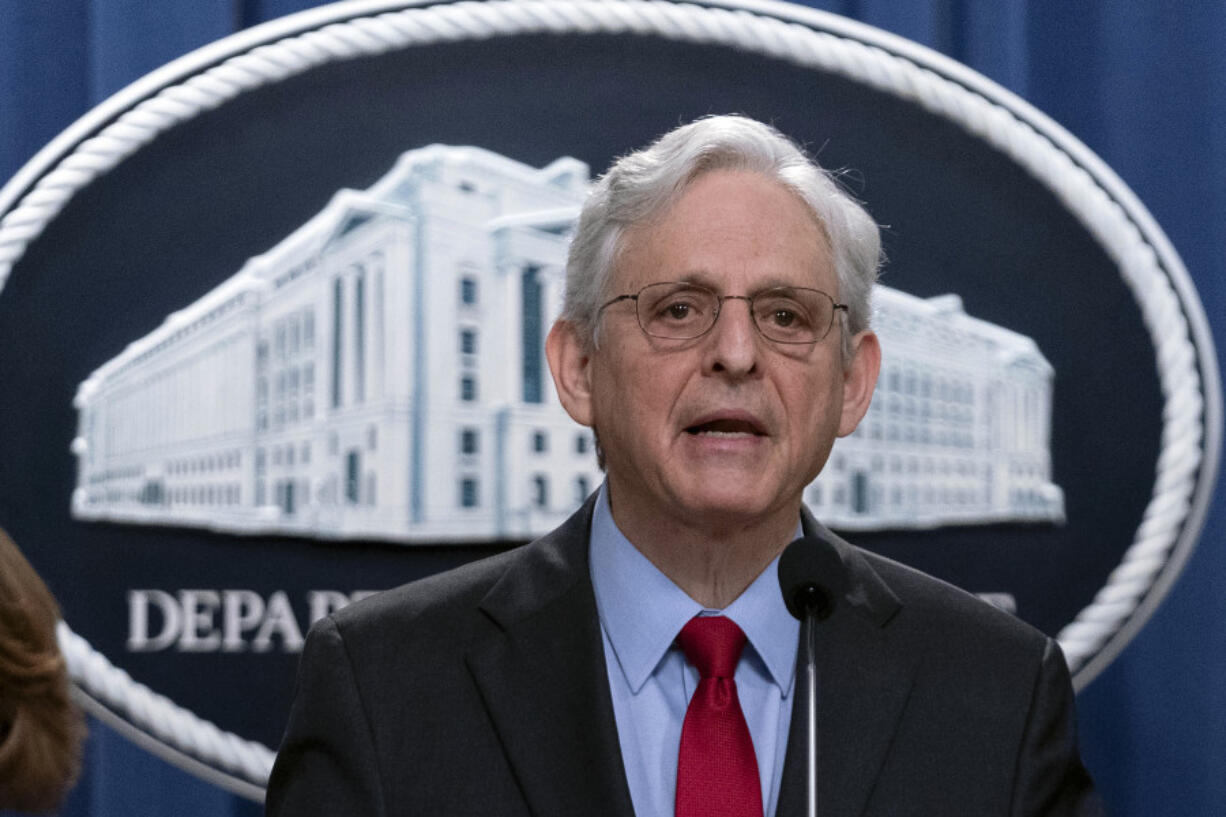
[(712, 644)]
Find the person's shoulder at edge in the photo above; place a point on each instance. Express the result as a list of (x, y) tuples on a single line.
[(41, 729)]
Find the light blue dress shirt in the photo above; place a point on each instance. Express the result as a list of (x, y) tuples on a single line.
[(641, 612)]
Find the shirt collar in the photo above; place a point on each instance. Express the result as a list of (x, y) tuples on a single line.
[(642, 610)]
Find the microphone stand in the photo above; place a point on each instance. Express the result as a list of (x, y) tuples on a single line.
[(808, 636), (812, 579)]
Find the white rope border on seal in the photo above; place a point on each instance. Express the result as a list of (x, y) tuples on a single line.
[(1183, 429), (163, 719)]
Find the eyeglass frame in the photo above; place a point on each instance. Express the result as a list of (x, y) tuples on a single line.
[(719, 308)]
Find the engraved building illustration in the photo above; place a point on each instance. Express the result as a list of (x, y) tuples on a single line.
[(380, 373), (958, 431)]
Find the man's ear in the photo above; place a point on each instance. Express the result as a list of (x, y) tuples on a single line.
[(859, 380), (569, 357)]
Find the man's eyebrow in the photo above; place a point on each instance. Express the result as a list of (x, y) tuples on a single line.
[(701, 277), (704, 278)]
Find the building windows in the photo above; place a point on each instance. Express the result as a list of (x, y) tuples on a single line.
[(540, 491), (338, 325), (285, 496), (291, 409), (279, 403), (581, 443), (582, 489), (468, 388), (308, 329), (468, 493), (859, 493), (353, 471), (468, 291), (308, 391), (295, 336), (468, 341), (540, 442), (531, 324), (372, 437), (469, 441), (359, 336)]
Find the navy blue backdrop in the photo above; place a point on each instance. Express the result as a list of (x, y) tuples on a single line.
[(1141, 83)]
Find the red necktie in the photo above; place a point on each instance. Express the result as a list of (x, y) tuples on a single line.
[(717, 772)]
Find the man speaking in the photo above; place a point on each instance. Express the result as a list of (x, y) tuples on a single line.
[(640, 659)]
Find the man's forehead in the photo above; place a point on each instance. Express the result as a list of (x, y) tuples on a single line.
[(642, 264), (721, 220)]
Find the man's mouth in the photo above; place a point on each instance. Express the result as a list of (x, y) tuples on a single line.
[(726, 428)]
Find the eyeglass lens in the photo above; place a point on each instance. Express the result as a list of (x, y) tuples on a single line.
[(681, 311)]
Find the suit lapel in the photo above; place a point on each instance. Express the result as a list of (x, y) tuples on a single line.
[(864, 680), (544, 680)]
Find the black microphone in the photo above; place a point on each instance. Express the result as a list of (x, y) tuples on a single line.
[(812, 579)]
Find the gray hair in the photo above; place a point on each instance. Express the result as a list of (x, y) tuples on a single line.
[(643, 184)]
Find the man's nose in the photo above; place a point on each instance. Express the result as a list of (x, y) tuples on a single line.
[(735, 342)]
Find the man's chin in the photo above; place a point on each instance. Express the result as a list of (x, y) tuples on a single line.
[(732, 501)]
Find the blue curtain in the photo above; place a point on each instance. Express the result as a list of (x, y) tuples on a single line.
[(1142, 83)]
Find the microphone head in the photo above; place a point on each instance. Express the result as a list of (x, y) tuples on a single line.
[(811, 577)]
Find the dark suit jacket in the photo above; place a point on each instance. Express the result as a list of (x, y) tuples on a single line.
[(484, 691)]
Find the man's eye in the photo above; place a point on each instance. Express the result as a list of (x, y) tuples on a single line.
[(677, 311), (786, 315), (783, 317)]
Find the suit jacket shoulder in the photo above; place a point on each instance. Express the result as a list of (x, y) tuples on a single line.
[(493, 672), (937, 703)]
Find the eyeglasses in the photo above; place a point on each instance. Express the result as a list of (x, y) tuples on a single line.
[(676, 310)]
